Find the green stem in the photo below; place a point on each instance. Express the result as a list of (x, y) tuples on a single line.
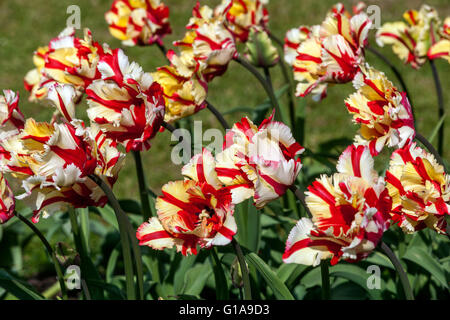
[(219, 276), (267, 87), (401, 272), (218, 115), (288, 80), (431, 149), (126, 235), (50, 251), (78, 244), (244, 270), (143, 192), (325, 274), (441, 110), (301, 196)]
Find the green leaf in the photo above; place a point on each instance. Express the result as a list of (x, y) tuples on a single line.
[(195, 279), (111, 266), (107, 213), (222, 292), (358, 276), (114, 292), (17, 287), (380, 259), (278, 287), (185, 264), (289, 272), (248, 221), (425, 260), (85, 227), (88, 269), (131, 206), (436, 128)]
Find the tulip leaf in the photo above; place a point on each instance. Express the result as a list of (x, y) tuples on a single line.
[(107, 213), (131, 206), (275, 283), (425, 260), (17, 287), (437, 127), (185, 265), (195, 279), (248, 220), (222, 292), (359, 276)]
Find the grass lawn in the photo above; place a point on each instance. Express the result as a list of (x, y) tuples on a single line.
[(25, 25)]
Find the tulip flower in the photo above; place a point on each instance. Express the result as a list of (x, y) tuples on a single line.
[(59, 158), (260, 50), (384, 113), (350, 212), (207, 46), (261, 161), (243, 15), (11, 118), (66, 60), (7, 201), (196, 211), (183, 96), (420, 190), (294, 37), (329, 53), (138, 22), (441, 48), (416, 39), (126, 103)]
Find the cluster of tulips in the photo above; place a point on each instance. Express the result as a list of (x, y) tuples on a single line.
[(63, 164)]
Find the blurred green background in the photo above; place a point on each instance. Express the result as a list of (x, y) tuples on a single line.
[(25, 25)]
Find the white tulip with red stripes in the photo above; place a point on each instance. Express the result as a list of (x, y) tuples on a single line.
[(350, 211), (195, 212)]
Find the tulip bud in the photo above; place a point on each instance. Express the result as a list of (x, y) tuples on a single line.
[(260, 50)]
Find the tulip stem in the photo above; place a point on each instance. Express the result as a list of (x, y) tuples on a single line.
[(218, 115), (396, 72), (162, 48), (267, 87), (441, 110), (301, 196), (431, 149), (36, 231), (146, 211), (401, 272), (126, 237), (288, 80), (244, 270), (219, 276), (325, 274)]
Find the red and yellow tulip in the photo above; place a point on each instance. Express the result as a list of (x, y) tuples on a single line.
[(260, 161), (138, 22), (7, 201), (384, 113), (66, 60), (329, 53), (416, 40), (243, 15), (350, 211), (126, 103), (196, 211), (420, 190)]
